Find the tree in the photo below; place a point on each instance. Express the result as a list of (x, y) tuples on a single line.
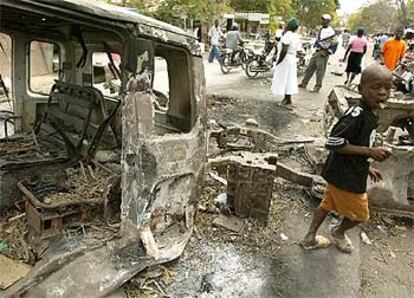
[(379, 16), (280, 8), (250, 5), (175, 11), (410, 12), (309, 12), (178, 12), (402, 11)]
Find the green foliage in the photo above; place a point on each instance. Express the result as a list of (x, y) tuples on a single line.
[(310, 11), (175, 11), (380, 16), (280, 8), (410, 12), (172, 11), (250, 5)]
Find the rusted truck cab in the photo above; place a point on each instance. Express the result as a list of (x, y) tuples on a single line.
[(93, 84)]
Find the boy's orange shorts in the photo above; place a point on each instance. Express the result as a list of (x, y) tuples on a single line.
[(351, 205)]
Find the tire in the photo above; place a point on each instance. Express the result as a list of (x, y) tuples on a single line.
[(249, 72), (243, 60), (224, 64)]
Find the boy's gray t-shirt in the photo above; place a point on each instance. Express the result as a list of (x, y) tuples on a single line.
[(232, 39)]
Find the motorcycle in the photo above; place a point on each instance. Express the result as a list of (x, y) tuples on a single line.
[(301, 65), (257, 63), (230, 59), (303, 58), (403, 77)]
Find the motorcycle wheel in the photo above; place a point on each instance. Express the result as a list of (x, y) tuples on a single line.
[(243, 60), (224, 64), (249, 65)]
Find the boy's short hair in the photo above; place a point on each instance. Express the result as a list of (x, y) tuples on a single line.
[(372, 70)]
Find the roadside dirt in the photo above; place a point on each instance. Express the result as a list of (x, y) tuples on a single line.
[(388, 264)]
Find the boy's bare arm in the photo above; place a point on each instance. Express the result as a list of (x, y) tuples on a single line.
[(379, 154)]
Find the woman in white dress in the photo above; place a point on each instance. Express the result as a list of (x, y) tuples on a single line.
[(285, 81)]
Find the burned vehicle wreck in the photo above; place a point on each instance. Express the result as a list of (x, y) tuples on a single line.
[(114, 132)]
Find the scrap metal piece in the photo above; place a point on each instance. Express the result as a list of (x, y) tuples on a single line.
[(249, 182), (230, 223), (109, 265), (149, 243)]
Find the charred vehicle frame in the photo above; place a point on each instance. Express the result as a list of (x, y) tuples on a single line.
[(139, 142)]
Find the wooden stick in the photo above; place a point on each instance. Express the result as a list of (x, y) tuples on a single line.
[(83, 171), (17, 217), (35, 141)]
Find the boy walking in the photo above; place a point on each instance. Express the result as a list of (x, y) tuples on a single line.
[(347, 167)]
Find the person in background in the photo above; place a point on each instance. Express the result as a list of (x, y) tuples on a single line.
[(408, 37), (233, 40), (285, 80), (215, 34), (268, 41), (280, 31), (326, 44), (357, 49), (382, 39), (197, 31), (345, 38), (393, 50)]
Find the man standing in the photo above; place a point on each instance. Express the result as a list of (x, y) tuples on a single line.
[(382, 39), (326, 44), (214, 35), (393, 50)]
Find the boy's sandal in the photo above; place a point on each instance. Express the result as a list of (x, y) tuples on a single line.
[(316, 90), (344, 245), (321, 242)]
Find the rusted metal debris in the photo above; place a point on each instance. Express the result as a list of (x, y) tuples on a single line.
[(230, 223), (250, 138), (250, 184), (250, 179), (53, 205)]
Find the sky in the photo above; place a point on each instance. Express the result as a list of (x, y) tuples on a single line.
[(349, 6)]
